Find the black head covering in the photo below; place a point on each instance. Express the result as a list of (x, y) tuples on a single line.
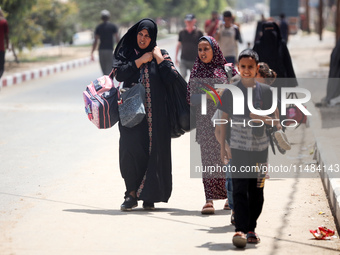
[(271, 35), (128, 49)]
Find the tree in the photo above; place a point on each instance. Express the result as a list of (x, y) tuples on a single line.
[(30, 22), (125, 12), (22, 30), (57, 18)]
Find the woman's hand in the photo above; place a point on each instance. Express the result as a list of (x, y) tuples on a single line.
[(219, 92), (157, 54), (226, 154), (228, 151), (147, 57)]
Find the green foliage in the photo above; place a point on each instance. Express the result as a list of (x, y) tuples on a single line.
[(56, 18), (23, 31), (127, 12), (33, 22)]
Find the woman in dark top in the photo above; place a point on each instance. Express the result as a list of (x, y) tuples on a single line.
[(145, 149)]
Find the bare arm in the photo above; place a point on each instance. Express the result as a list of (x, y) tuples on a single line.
[(147, 57), (117, 37), (94, 45), (157, 54), (7, 41), (222, 135)]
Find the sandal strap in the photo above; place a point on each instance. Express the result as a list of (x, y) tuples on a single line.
[(208, 205)]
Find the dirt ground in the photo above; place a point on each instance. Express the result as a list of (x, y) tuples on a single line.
[(43, 56)]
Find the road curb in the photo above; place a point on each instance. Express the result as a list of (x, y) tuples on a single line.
[(325, 159), (21, 77)]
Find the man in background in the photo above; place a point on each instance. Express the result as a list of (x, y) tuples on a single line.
[(188, 44), (228, 36), (3, 41), (258, 32), (284, 28), (104, 33), (211, 25)]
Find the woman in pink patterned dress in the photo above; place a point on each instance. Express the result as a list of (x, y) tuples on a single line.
[(209, 69)]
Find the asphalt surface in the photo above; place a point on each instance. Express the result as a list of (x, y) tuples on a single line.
[(61, 189)]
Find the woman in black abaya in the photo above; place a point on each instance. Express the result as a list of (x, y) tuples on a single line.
[(145, 149), (273, 51)]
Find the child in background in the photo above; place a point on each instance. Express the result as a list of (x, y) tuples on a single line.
[(265, 74), (249, 148)]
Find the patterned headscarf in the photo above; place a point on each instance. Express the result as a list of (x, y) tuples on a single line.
[(213, 70)]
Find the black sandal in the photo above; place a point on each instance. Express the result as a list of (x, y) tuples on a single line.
[(232, 219)]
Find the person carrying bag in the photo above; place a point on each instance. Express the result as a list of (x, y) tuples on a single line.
[(131, 104), (145, 149)]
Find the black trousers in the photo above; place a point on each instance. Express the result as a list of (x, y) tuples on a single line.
[(247, 193)]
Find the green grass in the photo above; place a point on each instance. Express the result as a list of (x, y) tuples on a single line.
[(38, 59)]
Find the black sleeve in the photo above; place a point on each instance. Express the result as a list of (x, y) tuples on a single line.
[(287, 61), (167, 69), (227, 102), (180, 35), (256, 48), (115, 29), (267, 97), (125, 71), (238, 36), (96, 31)]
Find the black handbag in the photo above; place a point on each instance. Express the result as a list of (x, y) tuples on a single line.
[(178, 108), (131, 106)]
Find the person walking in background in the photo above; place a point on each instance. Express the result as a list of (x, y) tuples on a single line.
[(258, 32), (272, 49), (211, 25), (265, 74), (145, 149), (228, 35), (187, 43), (284, 28), (3, 41), (105, 32), (333, 86), (209, 68)]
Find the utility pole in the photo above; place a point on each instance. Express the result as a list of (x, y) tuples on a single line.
[(321, 18), (307, 16), (337, 22)]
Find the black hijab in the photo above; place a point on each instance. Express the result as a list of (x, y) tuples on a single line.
[(271, 37), (128, 49)]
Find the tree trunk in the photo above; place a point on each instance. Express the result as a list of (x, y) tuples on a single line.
[(320, 19), (15, 55), (337, 22)]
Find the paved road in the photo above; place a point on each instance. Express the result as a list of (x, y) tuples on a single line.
[(60, 186)]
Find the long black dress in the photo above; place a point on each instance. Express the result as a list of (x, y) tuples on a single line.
[(272, 49), (145, 150)]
